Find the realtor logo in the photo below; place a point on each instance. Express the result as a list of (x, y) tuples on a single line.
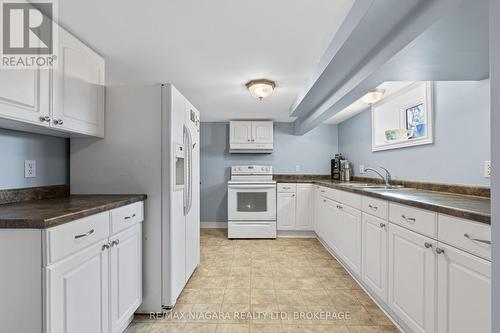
[(28, 34)]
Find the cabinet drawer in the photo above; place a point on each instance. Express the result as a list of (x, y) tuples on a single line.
[(69, 238), (465, 234), (126, 216), (416, 219), (375, 207), (287, 187), (329, 193), (350, 199)]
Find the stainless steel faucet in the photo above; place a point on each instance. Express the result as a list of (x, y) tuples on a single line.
[(386, 179)]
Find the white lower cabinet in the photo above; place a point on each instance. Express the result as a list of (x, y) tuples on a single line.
[(431, 270), (374, 254), (78, 292), (126, 276), (286, 205), (464, 292), (295, 205), (412, 278), (348, 237)]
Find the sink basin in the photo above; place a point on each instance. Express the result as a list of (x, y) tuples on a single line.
[(374, 186)]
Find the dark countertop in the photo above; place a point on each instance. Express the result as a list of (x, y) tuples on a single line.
[(46, 213), (464, 206)]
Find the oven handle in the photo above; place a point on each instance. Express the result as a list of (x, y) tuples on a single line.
[(250, 186)]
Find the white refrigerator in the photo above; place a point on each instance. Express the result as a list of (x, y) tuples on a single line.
[(151, 146)]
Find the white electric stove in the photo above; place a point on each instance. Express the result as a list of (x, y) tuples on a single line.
[(251, 202)]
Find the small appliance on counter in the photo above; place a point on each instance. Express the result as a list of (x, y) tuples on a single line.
[(341, 168), (336, 166)]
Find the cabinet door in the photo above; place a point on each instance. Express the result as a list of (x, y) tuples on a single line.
[(25, 95), (78, 88), (349, 237), (126, 276), (464, 292), (262, 131), (412, 278), (305, 205), (286, 206), (374, 254), (77, 292), (330, 220), (240, 131)]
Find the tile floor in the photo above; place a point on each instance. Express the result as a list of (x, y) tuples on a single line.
[(268, 286)]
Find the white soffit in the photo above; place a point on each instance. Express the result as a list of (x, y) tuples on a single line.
[(390, 88)]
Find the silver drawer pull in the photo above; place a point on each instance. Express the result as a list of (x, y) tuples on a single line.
[(115, 242), (439, 250), (286, 188), (408, 219), (339, 207), (129, 217), (484, 241), (373, 207), (90, 232), (382, 225), (427, 245)]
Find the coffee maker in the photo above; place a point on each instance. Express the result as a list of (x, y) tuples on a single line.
[(337, 167)]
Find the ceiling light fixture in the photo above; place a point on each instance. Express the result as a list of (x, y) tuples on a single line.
[(373, 96), (261, 88)]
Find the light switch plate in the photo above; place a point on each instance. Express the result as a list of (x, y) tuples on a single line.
[(297, 168), (361, 169), (487, 169), (29, 169)]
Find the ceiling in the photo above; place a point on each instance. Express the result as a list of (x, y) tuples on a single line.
[(210, 48)]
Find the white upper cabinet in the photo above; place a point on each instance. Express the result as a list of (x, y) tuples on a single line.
[(240, 132), (63, 101), (78, 85), (25, 95), (249, 136), (262, 131), (464, 292), (412, 278)]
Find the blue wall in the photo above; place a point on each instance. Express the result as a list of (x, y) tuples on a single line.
[(312, 152), (51, 155), (461, 139)]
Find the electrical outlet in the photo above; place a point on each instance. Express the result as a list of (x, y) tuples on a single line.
[(487, 169), (297, 168), (29, 169), (361, 169)]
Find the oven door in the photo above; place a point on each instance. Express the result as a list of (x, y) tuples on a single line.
[(254, 202)]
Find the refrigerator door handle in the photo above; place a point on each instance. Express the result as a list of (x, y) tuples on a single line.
[(186, 168), (190, 170)]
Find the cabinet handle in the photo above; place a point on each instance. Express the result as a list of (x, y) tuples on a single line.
[(293, 195), (88, 233), (439, 250), (324, 200), (322, 191), (408, 219), (373, 207), (58, 121), (44, 118), (340, 207), (286, 188), (105, 247), (382, 225), (115, 242), (484, 241), (249, 140), (129, 217), (427, 245)]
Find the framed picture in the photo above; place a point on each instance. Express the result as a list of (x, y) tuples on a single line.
[(415, 120)]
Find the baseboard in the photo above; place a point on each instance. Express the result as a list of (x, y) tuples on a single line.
[(296, 234), (213, 225)]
